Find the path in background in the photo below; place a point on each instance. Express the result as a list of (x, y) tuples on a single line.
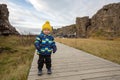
[(71, 64)]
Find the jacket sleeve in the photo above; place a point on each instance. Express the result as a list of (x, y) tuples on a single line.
[(37, 43), (54, 46)]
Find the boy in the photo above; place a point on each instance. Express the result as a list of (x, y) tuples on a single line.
[(45, 45)]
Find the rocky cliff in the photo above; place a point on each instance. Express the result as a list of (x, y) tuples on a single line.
[(5, 27), (106, 22), (82, 25), (66, 31)]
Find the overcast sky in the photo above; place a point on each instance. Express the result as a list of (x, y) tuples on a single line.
[(29, 15)]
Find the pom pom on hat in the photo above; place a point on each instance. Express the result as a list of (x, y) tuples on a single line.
[(47, 26), (47, 22)]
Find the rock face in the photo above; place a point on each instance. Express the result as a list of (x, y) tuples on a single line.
[(66, 31), (82, 25), (106, 22), (5, 27)]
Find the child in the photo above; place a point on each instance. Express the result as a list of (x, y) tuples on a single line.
[(45, 45)]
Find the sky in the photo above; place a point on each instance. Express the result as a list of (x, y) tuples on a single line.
[(28, 16)]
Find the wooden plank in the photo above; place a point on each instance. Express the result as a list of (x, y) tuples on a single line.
[(70, 63), (74, 75)]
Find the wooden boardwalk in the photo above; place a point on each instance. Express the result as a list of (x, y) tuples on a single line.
[(72, 64)]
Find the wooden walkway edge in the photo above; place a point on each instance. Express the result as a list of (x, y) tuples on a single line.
[(71, 64)]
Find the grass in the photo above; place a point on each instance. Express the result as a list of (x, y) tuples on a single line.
[(16, 54), (107, 49)]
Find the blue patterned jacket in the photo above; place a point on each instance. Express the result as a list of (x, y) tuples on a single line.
[(45, 44)]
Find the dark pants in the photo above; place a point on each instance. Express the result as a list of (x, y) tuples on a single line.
[(44, 59)]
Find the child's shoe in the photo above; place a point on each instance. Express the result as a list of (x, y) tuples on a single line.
[(49, 71), (39, 72)]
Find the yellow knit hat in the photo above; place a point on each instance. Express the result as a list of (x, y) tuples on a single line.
[(47, 26)]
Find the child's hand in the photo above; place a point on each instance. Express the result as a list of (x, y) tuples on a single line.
[(54, 50)]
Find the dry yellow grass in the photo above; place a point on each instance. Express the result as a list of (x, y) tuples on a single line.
[(107, 49), (16, 55)]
